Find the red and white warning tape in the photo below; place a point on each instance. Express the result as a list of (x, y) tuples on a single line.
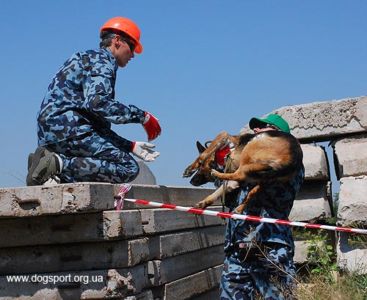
[(227, 215)]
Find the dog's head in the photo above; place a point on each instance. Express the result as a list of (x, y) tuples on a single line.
[(200, 169)]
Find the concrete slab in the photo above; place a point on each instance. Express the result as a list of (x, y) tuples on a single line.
[(122, 224), (350, 156), (212, 294), (163, 220), (58, 199), (350, 258), (301, 251), (192, 285), (322, 121), (188, 241), (312, 202), (146, 295), (185, 196), (315, 162), (173, 268), (352, 209), (72, 228), (310, 210), (138, 251), (49, 294), (78, 285), (73, 257)]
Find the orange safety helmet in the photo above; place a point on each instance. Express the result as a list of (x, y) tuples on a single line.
[(126, 26)]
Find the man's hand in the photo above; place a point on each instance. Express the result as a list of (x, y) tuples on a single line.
[(151, 126), (144, 151)]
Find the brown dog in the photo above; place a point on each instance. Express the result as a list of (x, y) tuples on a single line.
[(271, 156)]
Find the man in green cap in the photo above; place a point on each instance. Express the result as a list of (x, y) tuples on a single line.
[(259, 256)]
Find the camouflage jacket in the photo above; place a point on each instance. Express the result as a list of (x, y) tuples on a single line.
[(81, 99), (275, 201)]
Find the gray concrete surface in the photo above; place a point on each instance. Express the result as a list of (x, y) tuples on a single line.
[(352, 210), (351, 258), (173, 268), (351, 156), (326, 120), (195, 284), (315, 162), (58, 199)]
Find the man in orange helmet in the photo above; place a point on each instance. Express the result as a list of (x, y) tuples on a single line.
[(75, 139)]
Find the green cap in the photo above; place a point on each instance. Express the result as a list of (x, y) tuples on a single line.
[(271, 119)]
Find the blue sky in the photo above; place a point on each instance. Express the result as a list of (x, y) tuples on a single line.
[(207, 66)]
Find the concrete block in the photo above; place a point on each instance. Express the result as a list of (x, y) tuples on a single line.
[(195, 284), (49, 294), (72, 228), (146, 295), (350, 258), (212, 294), (73, 257), (310, 210), (185, 196), (322, 121), (138, 251), (315, 162), (51, 229), (173, 268), (122, 224), (57, 199), (312, 203), (301, 251), (112, 283), (350, 156), (162, 220), (188, 241), (352, 209)]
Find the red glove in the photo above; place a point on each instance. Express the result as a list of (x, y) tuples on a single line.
[(151, 126)]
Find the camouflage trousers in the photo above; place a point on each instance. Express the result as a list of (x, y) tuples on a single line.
[(268, 273), (95, 157)]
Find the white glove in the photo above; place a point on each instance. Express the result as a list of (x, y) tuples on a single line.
[(144, 151)]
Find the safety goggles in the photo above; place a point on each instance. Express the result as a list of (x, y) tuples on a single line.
[(130, 43)]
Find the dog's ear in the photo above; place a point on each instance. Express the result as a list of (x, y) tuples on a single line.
[(200, 147)]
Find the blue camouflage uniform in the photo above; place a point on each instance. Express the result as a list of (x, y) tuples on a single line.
[(259, 256), (75, 120)]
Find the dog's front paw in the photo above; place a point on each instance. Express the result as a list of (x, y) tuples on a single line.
[(214, 173), (239, 209), (201, 204)]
